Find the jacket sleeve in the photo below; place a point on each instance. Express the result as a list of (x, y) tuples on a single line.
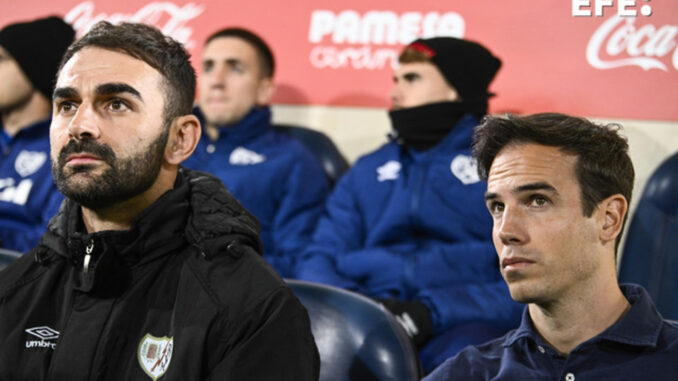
[(482, 294), (302, 202), (27, 239), (339, 231), (273, 343)]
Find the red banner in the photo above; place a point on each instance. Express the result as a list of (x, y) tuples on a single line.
[(597, 58)]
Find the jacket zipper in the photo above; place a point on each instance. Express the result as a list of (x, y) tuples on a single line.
[(88, 256)]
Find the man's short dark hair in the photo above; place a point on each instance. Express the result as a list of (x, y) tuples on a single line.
[(148, 44), (264, 53), (603, 167)]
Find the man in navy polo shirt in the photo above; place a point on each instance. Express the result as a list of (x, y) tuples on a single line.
[(558, 189)]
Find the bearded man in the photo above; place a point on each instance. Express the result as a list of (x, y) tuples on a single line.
[(148, 270)]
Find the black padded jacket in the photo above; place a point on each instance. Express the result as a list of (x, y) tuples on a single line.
[(182, 295)]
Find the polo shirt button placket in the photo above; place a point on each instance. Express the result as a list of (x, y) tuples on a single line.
[(569, 377), (211, 148)]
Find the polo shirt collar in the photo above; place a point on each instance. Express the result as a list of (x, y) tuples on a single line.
[(640, 326)]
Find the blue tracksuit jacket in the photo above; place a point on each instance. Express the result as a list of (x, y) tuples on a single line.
[(413, 226), (28, 196), (274, 176)]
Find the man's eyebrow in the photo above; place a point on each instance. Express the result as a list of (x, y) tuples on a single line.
[(524, 188), (65, 92), (490, 196), (535, 186), (117, 88), (234, 61)]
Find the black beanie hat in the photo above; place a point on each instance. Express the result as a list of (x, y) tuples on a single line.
[(467, 66), (37, 46)]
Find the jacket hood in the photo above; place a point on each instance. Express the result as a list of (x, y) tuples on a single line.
[(217, 219)]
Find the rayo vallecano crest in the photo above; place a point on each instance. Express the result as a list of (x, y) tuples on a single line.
[(155, 354)]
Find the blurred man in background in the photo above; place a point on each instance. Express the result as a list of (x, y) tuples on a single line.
[(269, 172), (29, 57), (407, 224)]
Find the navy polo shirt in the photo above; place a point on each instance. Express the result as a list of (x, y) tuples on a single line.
[(640, 346)]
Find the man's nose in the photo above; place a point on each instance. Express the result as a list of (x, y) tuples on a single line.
[(84, 124), (511, 230), (396, 96), (216, 78)]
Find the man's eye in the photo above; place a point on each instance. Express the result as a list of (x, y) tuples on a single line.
[(411, 77), (538, 201), (117, 105), (65, 107), (496, 208)]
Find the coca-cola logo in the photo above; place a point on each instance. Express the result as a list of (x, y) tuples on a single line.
[(369, 39), (170, 18), (628, 45)]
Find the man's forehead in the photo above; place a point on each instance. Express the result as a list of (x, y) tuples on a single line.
[(94, 65), (413, 67), (530, 162), (227, 47)]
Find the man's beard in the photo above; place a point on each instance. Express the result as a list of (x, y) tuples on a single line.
[(122, 180)]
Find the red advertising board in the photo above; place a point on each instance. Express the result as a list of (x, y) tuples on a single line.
[(597, 58)]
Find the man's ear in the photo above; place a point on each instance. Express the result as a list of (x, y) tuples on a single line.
[(184, 136), (612, 209), (265, 91)]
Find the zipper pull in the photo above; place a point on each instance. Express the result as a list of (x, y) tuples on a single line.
[(88, 256)]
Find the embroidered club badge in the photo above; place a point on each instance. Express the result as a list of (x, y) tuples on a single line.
[(28, 162), (465, 168), (155, 354)]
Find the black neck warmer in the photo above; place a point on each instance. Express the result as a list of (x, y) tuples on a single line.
[(423, 127)]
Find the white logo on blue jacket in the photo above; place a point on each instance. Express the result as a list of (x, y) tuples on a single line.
[(465, 168), (243, 156), (28, 162), (17, 194), (388, 171)]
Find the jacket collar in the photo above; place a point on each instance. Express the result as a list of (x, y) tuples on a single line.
[(640, 326), (160, 223), (36, 128), (198, 211), (459, 138), (255, 123)]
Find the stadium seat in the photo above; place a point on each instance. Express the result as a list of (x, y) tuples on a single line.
[(7, 256), (333, 162), (651, 250), (357, 338)]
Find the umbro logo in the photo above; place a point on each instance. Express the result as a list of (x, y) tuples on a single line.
[(45, 334)]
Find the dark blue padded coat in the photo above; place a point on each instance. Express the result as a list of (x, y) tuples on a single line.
[(413, 226), (272, 175), (28, 196)]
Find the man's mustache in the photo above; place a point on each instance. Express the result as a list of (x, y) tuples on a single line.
[(102, 151)]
